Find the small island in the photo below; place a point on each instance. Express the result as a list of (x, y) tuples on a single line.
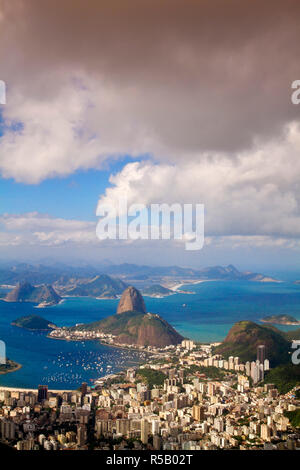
[(281, 320), (10, 366), (33, 323)]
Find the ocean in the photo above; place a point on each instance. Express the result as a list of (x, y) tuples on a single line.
[(206, 316)]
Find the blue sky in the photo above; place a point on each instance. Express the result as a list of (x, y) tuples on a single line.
[(72, 197)]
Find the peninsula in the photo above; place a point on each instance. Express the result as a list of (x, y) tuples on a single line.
[(132, 326)]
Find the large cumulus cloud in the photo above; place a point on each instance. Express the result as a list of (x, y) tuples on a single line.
[(170, 79)]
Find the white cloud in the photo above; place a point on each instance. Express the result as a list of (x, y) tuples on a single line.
[(257, 193), (78, 123), (29, 236), (40, 229)]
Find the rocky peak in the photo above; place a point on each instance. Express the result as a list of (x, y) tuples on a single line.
[(131, 300)]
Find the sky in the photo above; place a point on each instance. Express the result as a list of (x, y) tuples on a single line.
[(162, 102)]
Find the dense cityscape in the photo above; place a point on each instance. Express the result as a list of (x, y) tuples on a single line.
[(183, 397)]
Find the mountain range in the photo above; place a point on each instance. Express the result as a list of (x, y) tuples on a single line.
[(61, 276)]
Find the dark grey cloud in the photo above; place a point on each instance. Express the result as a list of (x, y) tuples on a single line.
[(206, 75)]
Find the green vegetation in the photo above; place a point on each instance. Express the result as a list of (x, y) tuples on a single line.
[(136, 328), (294, 417), (285, 377), (244, 337), (152, 377), (210, 371), (116, 380), (293, 334), (34, 322)]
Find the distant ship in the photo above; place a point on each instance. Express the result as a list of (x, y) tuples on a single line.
[(184, 305)]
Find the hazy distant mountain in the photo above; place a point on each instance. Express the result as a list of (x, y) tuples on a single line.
[(230, 273), (214, 272), (150, 271), (100, 286), (41, 274), (25, 292), (59, 274), (156, 290)]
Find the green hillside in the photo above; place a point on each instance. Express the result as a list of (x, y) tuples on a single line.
[(33, 322), (244, 338), (285, 377), (294, 417), (137, 328)]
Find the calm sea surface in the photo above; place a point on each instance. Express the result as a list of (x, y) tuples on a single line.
[(207, 316)]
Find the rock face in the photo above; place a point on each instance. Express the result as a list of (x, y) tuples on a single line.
[(25, 292), (150, 330), (131, 301)]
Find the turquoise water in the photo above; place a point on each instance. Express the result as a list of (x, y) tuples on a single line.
[(207, 317)]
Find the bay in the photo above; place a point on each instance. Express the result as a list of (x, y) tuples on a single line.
[(206, 316)]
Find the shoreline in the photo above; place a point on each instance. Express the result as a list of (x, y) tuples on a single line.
[(14, 368), (116, 346), (29, 329), (186, 283), (19, 389)]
